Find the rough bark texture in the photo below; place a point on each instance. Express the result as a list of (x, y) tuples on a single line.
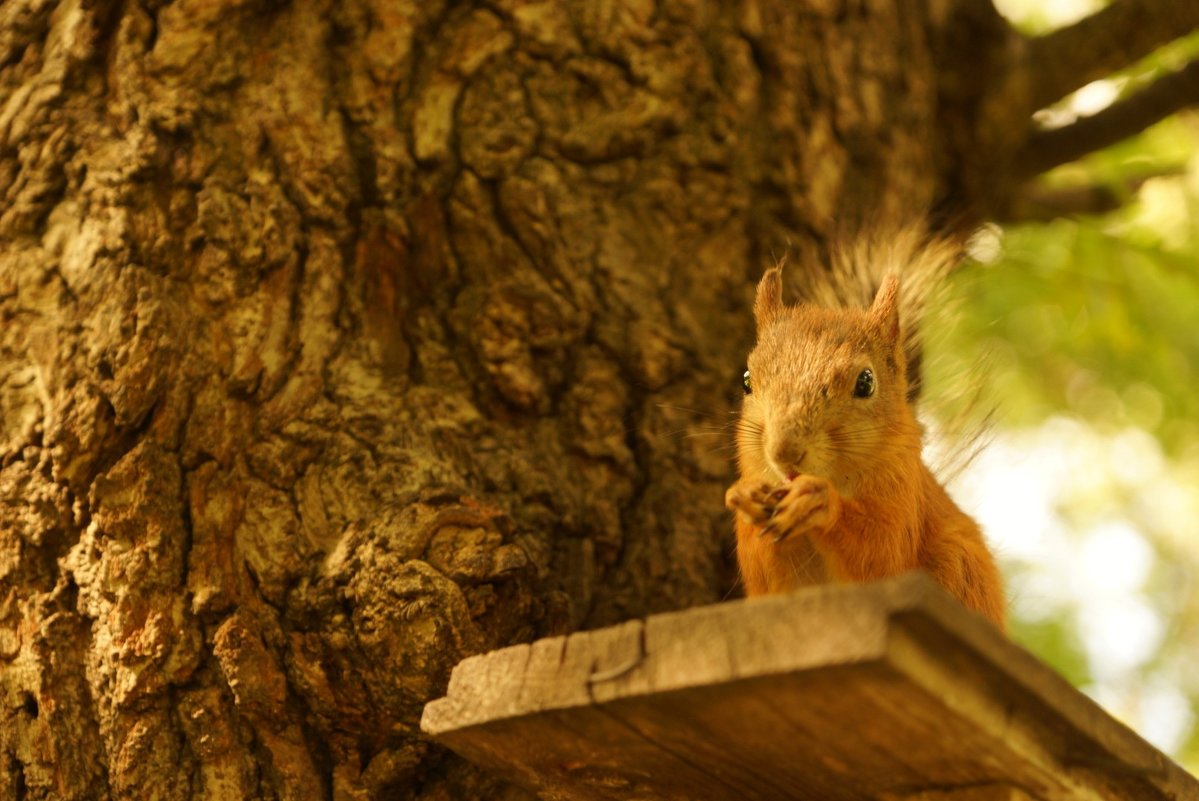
[(342, 340)]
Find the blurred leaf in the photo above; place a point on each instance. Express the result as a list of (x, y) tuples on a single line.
[(1056, 642), (1097, 319), (1077, 318)]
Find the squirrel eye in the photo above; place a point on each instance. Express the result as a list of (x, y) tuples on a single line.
[(864, 387), (745, 385)]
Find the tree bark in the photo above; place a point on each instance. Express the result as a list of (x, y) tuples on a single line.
[(342, 340)]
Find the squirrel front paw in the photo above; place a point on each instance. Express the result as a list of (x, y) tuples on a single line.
[(751, 499), (805, 505)]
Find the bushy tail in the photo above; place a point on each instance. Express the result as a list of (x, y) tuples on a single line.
[(957, 410), (856, 268)]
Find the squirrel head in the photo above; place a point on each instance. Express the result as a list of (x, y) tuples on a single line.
[(826, 392)]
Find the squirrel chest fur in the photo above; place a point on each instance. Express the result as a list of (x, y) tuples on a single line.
[(832, 482)]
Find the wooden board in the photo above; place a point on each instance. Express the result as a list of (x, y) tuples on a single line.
[(880, 691)]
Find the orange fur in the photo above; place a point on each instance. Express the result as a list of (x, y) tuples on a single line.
[(838, 480)]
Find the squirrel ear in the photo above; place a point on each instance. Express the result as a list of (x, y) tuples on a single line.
[(769, 301), (884, 312)]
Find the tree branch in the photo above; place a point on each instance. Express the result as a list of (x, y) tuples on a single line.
[(1038, 203), (1048, 148), (1108, 40)]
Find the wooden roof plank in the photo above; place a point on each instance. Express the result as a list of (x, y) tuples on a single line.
[(882, 691)]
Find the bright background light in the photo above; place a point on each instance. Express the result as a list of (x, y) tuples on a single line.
[(1087, 333), (1091, 573)]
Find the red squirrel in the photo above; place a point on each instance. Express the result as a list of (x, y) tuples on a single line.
[(832, 483)]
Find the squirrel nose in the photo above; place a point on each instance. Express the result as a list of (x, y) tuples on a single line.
[(789, 456)]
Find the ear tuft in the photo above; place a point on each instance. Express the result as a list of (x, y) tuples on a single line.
[(884, 312), (769, 301)]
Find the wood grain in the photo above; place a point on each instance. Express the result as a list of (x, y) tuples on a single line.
[(882, 691)]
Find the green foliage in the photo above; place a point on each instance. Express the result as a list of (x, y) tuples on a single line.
[(1081, 316), (1057, 643), (1096, 319)]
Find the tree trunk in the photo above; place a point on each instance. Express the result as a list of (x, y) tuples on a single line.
[(343, 340)]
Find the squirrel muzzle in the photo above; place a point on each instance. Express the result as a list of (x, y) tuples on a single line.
[(790, 442)]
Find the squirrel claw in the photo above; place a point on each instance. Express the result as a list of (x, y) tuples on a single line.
[(806, 505), (771, 531), (751, 500)]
